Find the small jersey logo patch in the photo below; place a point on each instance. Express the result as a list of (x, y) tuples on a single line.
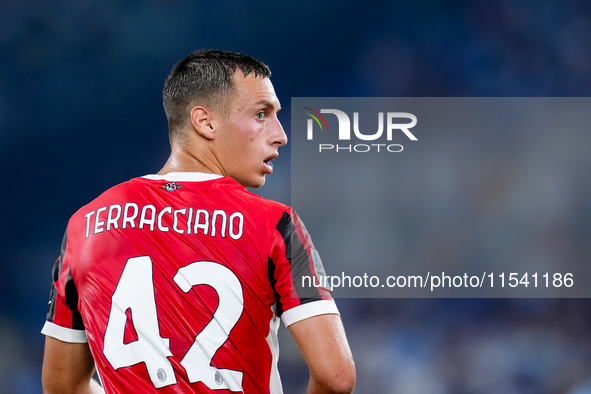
[(171, 186), (161, 375), (218, 378)]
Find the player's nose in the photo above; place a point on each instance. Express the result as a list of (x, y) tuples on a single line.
[(279, 136)]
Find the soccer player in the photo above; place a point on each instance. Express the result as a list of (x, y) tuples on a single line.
[(176, 282)]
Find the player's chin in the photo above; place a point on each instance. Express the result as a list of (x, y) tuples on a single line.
[(254, 182), (260, 182)]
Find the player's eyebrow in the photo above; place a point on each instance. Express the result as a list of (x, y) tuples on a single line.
[(269, 104)]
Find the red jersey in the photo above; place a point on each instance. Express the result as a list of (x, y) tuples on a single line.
[(178, 282)]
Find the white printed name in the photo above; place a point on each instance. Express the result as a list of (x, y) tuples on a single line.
[(182, 221)]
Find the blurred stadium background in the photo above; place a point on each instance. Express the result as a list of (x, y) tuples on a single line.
[(80, 110)]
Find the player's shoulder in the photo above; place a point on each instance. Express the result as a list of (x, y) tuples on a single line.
[(267, 203), (112, 193), (269, 211)]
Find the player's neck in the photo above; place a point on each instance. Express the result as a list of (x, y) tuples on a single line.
[(181, 160)]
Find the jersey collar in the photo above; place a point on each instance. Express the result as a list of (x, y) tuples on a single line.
[(183, 177)]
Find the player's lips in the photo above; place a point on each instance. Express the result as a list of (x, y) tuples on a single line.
[(267, 163)]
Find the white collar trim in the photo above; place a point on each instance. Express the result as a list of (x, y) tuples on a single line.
[(183, 177)]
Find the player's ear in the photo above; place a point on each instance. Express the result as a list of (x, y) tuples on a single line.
[(203, 122)]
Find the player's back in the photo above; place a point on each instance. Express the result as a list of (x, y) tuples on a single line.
[(177, 279)]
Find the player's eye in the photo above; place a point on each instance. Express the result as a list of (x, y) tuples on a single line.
[(260, 115)]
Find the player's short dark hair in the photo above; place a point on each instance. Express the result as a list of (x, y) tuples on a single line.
[(205, 77)]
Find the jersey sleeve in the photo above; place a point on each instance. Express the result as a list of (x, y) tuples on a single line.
[(63, 320), (297, 274)]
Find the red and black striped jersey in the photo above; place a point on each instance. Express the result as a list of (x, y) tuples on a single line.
[(178, 282)]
